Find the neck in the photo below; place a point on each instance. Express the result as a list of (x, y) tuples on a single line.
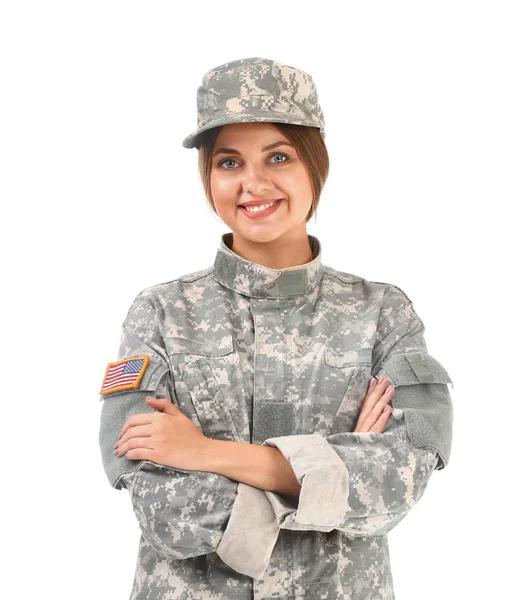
[(282, 253)]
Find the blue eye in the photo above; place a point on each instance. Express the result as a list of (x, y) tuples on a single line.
[(221, 163), (280, 154), (225, 160)]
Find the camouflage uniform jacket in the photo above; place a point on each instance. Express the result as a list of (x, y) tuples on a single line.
[(281, 358)]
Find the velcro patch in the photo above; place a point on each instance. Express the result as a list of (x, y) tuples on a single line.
[(124, 374)]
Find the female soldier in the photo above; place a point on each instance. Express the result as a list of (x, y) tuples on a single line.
[(248, 412)]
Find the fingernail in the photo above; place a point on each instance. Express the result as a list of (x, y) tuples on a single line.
[(386, 408), (372, 382), (389, 389)]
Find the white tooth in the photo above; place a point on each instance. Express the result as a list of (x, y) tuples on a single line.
[(262, 207)]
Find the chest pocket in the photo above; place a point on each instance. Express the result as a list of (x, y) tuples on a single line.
[(346, 383), (212, 375)]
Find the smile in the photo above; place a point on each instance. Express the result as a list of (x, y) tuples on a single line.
[(261, 211)]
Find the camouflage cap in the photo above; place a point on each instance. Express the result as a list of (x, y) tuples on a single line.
[(255, 90)]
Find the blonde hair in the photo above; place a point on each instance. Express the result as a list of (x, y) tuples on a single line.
[(308, 143)]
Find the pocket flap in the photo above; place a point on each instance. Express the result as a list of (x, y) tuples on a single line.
[(414, 367), (183, 345), (350, 358)]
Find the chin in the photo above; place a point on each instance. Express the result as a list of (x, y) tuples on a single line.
[(259, 237), (263, 235)]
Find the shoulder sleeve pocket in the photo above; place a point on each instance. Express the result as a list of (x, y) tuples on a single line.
[(421, 391), (118, 406)]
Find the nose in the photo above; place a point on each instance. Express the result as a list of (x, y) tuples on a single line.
[(255, 180)]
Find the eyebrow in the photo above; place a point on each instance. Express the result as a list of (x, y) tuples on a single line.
[(233, 151)]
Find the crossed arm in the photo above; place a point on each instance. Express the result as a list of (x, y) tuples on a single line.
[(359, 483), (184, 513), (263, 467)]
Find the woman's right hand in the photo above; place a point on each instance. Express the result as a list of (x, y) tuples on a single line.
[(372, 416)]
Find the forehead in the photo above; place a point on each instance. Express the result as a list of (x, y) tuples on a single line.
[(248, 133)]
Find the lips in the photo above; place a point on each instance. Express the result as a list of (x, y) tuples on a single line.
[(268, 205), (259, 202), (259, 214)]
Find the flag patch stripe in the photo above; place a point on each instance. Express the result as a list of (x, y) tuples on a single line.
[(124, 374)]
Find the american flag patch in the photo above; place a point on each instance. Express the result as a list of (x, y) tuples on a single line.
[(124, 374)]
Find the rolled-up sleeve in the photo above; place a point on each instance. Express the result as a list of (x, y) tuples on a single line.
[(181, 513), (364, 483)]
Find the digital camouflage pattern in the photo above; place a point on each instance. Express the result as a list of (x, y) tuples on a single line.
[(256, 89), (281, 358)]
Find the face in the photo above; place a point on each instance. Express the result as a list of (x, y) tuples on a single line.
[(255, 161)]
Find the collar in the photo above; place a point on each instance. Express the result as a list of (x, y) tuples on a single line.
[(257, 281)]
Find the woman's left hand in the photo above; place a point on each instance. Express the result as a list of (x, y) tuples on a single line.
[(166, 437)]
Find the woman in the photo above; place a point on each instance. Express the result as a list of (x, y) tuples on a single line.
[(248, 413)]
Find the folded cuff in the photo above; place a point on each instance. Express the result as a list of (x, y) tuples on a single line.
[(251, 533), (324, 479)]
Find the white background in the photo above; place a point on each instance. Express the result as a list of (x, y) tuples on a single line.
[(426, 108)]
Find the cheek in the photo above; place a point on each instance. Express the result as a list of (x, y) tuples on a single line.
[(223, 191), (297, 185), (221, 186), (297, 181)]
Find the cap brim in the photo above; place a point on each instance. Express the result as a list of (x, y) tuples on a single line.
[(191, 140)]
